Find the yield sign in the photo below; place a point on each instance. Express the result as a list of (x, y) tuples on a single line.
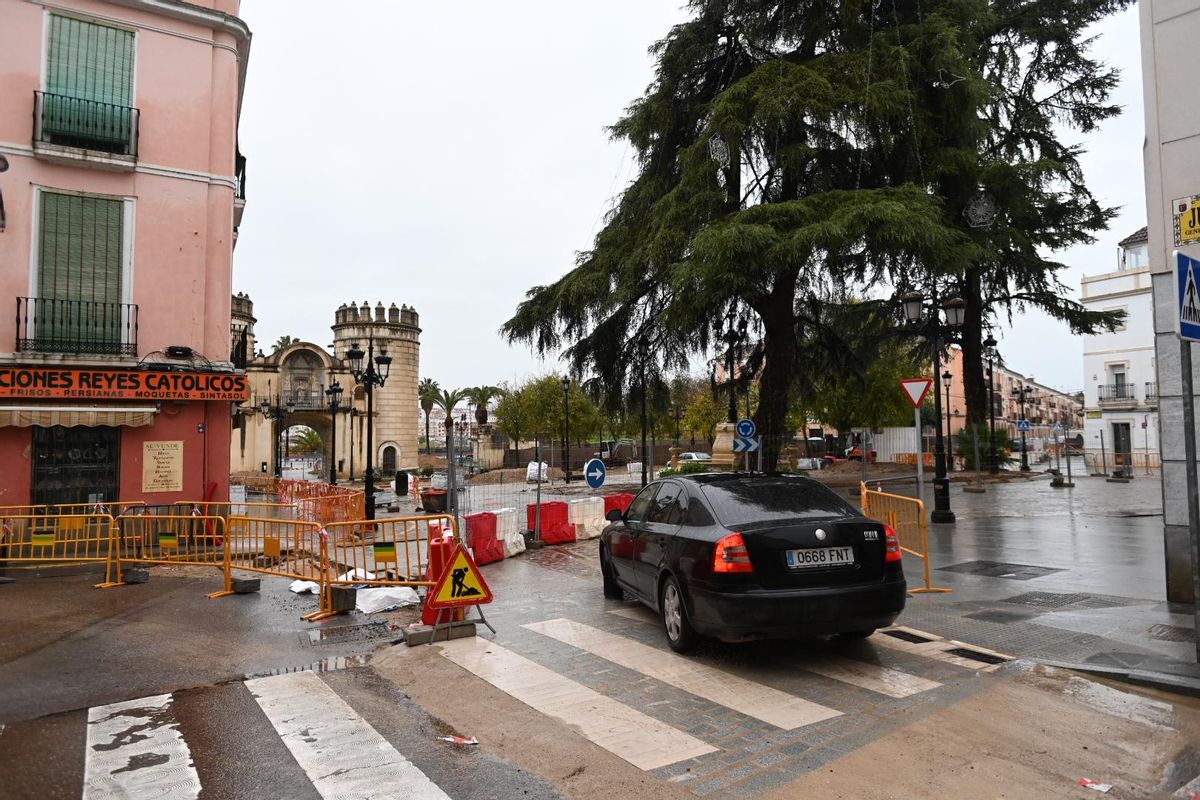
[(916, 389)]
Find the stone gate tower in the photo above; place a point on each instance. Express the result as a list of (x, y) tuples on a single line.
[(395, 403)]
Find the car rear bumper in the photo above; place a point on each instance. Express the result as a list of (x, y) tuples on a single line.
[(782, 614)]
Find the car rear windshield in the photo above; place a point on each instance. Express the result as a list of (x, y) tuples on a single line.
[(750, 500)]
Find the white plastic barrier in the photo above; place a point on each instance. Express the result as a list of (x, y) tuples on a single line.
[(508, 530), (587, 515)]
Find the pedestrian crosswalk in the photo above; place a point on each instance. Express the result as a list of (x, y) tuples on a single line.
[(146, 748), (340, 752)]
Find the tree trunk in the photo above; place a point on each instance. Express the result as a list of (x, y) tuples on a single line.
[(779, 355), (974, 378)]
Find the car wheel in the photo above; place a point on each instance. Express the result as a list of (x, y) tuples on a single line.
[(862, 634), (680, 634), (612, 589)]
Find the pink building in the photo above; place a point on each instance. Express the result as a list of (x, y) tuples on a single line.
[(121, 201)]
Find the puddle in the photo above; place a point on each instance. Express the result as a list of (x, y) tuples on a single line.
[(332, 664), (1124, 705)]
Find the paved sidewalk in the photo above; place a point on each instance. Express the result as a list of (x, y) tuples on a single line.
[(1065, 575)]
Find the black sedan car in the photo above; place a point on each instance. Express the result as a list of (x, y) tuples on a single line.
[(737, 556)]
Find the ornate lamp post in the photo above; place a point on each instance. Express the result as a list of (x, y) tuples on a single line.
[(914, 311), (989, 345), (947, 380), (334, 393), (276, 411), (369, 375), (1021, 393), (566, 447)]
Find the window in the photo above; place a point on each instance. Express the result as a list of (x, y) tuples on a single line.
[(641, 504), (738, 501), (89, 86), (666, 508), (81, 244)]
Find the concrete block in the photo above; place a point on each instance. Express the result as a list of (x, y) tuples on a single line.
[(246, 585), (342, 598), (423, 634), (135, 576)]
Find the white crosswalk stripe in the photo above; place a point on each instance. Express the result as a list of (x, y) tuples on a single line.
[(639, 739), (723, 688), (135, 750), (341, 753), (863, 674)]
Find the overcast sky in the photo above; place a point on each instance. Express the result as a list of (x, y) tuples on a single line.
[(449, 156)]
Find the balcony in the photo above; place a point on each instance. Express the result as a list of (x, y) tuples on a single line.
[(304, 401), (1117, 395), (69, 128), (1151, 396), (239, 191), (80, 327)]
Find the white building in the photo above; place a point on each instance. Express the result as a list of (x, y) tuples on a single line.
[(1120, 389)]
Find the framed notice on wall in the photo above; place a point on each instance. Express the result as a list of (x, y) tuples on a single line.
[(162, 466)]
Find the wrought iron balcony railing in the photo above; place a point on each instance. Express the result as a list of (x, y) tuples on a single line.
[(1116, 393), (303, 400), (239, 192), (1151, 392), (76, 326), (74, 122)]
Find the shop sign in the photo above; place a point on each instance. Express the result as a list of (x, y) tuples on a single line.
[(162, 466), (53, 383)]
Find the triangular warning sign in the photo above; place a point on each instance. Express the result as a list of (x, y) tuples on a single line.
[(460, 584), (916, 389), (1189, 310)]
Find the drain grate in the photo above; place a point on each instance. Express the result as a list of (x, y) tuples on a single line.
[(915, 638), (1046, 599), (1170, 633), (345, 633), (975, 655), (1001, 569), (1003, 617)]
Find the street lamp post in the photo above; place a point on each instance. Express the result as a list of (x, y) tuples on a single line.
[(993, 463), (566, 447), (373, 373), (730, 337), (1021, 393), (334, 393), (955, 309), (276, 411), (947, 379)]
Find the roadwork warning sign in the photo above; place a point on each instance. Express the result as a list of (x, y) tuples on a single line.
[(460, 584)]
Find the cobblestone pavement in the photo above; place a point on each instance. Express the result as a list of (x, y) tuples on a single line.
[(752, 756)]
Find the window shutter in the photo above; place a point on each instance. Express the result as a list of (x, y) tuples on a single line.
[(89, 61), (80, 269)]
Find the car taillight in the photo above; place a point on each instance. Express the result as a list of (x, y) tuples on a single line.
[(731, 555), (891, 544)]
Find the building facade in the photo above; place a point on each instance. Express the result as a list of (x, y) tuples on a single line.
[(1044, 407), (121, 200), (1120, 386), (293, 383), (1169, 30)]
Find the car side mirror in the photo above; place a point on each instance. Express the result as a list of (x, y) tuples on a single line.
[(614, 515)]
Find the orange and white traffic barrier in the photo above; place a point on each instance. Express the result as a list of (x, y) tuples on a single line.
[(906, 516)]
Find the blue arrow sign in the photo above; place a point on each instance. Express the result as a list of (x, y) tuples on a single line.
[(1024, 426), (1188, 297), (746, 428), (742, 444), (594, 472)]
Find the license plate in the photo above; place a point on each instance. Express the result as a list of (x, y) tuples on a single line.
[(820, 557)]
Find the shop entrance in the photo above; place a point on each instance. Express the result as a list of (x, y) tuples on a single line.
[(76, 465)]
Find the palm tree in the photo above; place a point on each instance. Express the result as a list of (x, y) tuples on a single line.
[(427, 391), (446, 400), (481, 396), (282, 342)]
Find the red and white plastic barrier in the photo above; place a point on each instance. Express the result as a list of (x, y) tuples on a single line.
[(556, 527), (509, 531), (587, 515), (486, 546)]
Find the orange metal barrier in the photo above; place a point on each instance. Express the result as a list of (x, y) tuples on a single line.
[(146, 538), (226, 509), (57, 540), (387, 552), (322, 502), (906, 516), (283, 548)]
